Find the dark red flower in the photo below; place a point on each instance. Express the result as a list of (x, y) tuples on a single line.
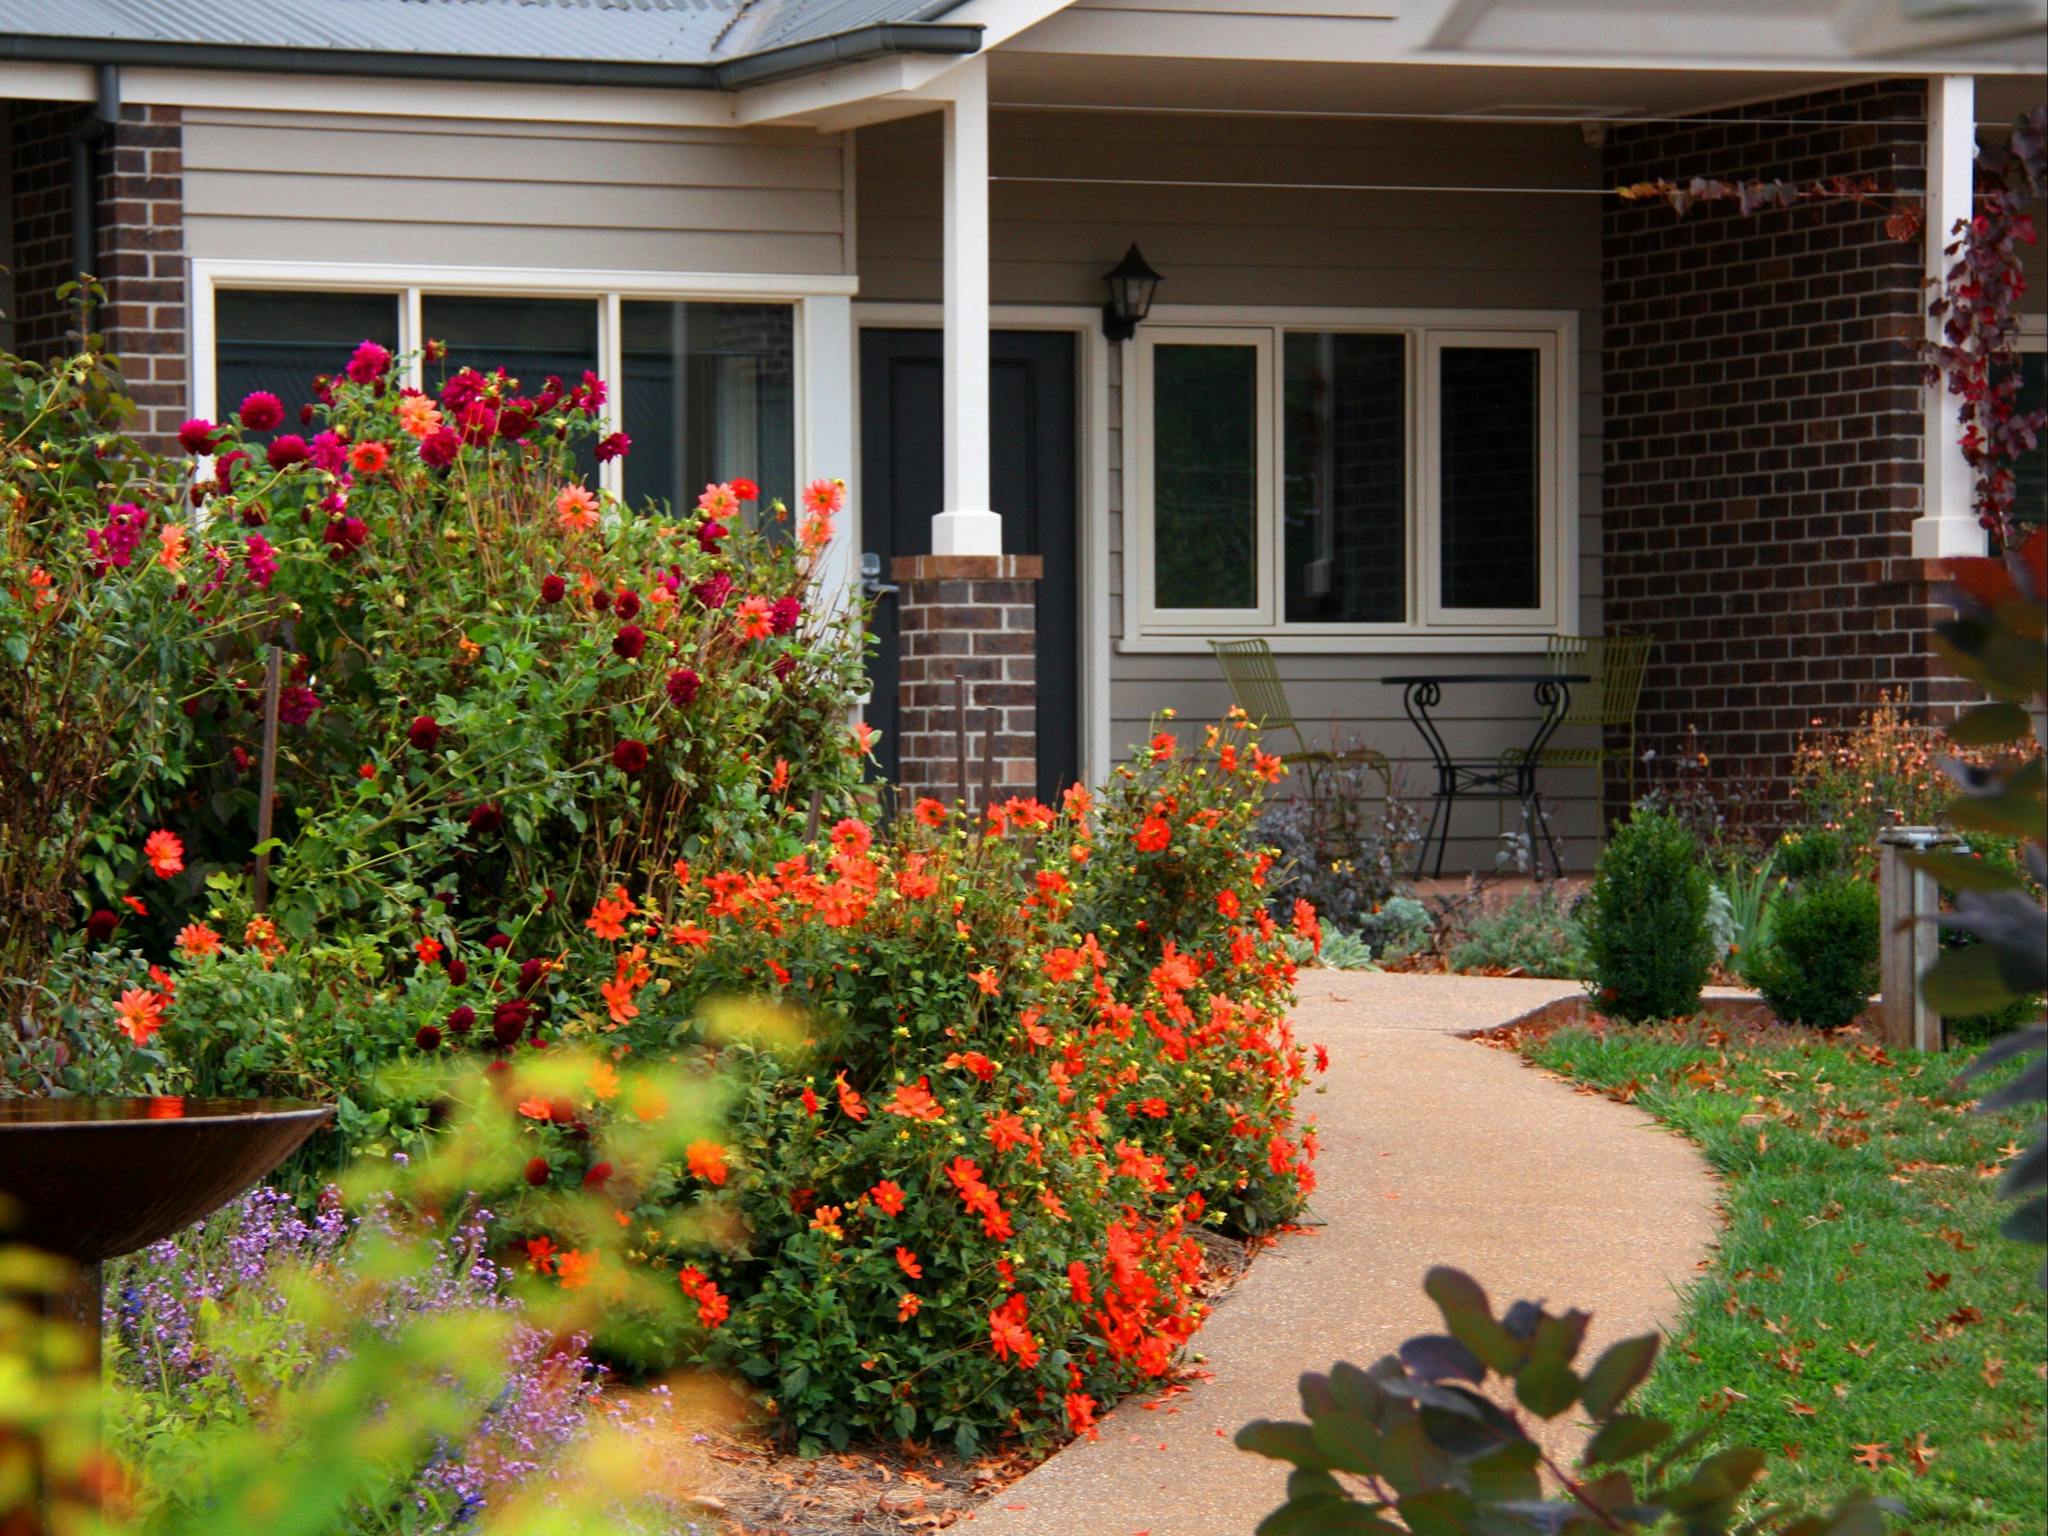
[(306, 415), (597, 1174), (486, 818), (285, 451), (629, 756), (345, 535), (613, 446), (228, 464), (784, 615), (439, 448), (101, 925), (784, 668), (627, 604), (516, 418), (458, 971), (461, 1017), (601, 600), (552, 588), (530, 974), (682, 687), (256, 515), (262, 411), (424, 733), (368, 363), (709, 532), (509, 1020), (629, 642), (428, 1037), (498, 943), (196, 436), (537, 1172), (713, 590)]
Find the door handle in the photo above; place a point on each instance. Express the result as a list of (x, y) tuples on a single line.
[(871, 584)]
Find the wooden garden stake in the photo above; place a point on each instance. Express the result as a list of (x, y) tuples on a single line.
[(988, 761), (273, 679), (960, 739)]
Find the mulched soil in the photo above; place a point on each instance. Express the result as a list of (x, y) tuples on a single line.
[(742, 1484)]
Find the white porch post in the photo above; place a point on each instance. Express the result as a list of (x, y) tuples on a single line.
[(829, 386), (968, 525), (1947, 525)]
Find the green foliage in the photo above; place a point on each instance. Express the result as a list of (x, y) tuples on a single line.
[(1398, 927), (104, 643), (1858, 1294), (1999, 640), (1345, 952), (1419, 1437), (1814, 853), (1820, 967), (1744, 905), (1647, 944), (1535, 933)]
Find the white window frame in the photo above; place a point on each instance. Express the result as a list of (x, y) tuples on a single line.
[(821, 304), (1264, 479), (1428, 562), (1552, 333)]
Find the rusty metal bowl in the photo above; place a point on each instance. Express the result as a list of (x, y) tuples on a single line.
[(94, 1178)]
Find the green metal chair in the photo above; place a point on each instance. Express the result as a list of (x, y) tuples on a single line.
[(1256, 689), (1616, 664)]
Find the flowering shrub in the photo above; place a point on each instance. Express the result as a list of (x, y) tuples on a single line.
[(102, 636), (502, 692), (986, 1076)]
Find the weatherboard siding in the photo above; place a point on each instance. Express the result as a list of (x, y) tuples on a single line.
[(1051, 243), (442, 192)]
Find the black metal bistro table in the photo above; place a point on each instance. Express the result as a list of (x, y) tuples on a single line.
[(1511, 776)]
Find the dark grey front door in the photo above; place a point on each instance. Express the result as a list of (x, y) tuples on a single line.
[(1032, 472)]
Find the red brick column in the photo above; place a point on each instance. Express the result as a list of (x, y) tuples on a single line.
[(139, 257), (142, 264), (970, 617)]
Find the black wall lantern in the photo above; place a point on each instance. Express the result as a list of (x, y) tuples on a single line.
[(1131, 286)]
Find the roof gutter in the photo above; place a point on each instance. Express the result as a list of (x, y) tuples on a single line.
[(862, 44)]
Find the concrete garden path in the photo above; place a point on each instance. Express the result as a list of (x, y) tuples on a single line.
[(1434, 1150)]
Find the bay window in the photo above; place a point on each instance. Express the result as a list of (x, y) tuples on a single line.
[(1324, 479)]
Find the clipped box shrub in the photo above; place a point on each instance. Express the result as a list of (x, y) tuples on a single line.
[(1820, 967), (1648, 947)]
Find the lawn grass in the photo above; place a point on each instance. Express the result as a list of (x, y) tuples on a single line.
[(1862, 1304)]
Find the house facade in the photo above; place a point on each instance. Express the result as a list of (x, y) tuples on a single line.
[(1416, 392)]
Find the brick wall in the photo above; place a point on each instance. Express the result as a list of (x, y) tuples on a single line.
[(141, 248), (1763, 432), (971, 617), (142, 262)]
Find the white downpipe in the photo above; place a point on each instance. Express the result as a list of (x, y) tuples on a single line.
[(1947, 525), (968, 525)]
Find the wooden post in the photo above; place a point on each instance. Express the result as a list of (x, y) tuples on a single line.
[(1908, 899), (960, 739), (273, 679), (988, 759)]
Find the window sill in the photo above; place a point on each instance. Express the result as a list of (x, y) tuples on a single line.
[(1420, 642)]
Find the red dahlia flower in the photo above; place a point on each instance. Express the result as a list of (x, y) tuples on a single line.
[(486, 819), (286, 451), (629, 756), (744, 489), (439, 448), (368, 363), (629, 642), (627, 603), (262, 411), (682, 687), (460, 1018), (552, 588), (614, 445), (428, 1037), (196, 436), (424, 733)]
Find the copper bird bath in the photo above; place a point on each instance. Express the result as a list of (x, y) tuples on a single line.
[(90, 1179)]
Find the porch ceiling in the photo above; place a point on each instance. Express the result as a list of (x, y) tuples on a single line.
[(1019, 76)]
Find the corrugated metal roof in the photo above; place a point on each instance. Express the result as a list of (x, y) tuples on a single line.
[(677, 32)]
